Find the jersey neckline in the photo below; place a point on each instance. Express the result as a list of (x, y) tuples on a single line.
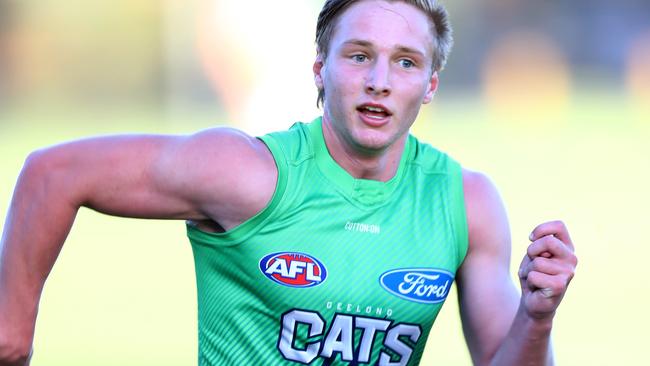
[(365, 191)]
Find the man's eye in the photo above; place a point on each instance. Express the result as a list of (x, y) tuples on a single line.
[(359, 58), (407, 64)]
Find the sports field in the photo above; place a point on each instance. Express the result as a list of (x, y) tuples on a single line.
[(122, 292)]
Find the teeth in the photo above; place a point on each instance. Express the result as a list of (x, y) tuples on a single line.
[(374, 109)]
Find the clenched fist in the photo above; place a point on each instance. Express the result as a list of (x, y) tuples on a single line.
[(547, 269)]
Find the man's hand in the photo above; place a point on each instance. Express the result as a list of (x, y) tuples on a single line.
[(13, 351), (16, 325), (547, 269)]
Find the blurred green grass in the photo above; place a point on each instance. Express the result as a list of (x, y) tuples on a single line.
[(123, 292)]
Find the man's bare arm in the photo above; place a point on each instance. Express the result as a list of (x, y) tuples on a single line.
[(502, 327), (207, 176)]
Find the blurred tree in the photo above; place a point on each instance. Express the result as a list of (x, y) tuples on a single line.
[(104, 52)]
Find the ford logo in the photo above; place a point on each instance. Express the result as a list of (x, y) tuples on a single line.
[(293, 269), (423, 285)]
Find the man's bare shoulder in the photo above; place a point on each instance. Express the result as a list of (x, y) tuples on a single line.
[(225, 140), (486, 215), (225, 150), (233, 174), (476, 184)]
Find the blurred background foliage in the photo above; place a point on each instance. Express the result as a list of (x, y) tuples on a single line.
[(549, 98), (215, 55)]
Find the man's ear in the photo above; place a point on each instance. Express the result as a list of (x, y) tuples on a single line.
[(431, 88), (317, 68)]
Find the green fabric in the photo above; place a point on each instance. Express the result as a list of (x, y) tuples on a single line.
[(359, 230)]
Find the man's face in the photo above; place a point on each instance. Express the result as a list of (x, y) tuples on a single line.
[(377, 73)]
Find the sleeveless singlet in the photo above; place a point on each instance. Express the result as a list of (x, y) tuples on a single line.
[(335, 270)]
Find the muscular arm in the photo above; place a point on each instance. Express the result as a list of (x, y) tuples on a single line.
[(207, 176), (501, 326)]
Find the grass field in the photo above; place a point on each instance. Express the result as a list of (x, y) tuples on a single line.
[(122, 292)]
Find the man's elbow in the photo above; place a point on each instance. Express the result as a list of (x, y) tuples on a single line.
[(46, 173), (39, 167)]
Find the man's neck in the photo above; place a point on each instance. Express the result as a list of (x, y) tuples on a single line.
[(377, 165)]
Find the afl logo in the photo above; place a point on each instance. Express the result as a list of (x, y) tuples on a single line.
[(293, 269)]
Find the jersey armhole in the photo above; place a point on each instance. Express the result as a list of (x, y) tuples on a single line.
[(249, 227), (459, 214)]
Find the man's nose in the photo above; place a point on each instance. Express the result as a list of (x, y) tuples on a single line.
[(378, 79)]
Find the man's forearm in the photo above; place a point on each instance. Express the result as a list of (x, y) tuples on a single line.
[(39, 219), (528, 342)]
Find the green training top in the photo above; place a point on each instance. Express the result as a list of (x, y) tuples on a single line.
[(335, 270)]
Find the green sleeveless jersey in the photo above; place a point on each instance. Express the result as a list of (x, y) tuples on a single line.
[(335, 270)]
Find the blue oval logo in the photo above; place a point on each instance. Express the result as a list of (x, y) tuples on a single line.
[(423, 285), (293, 269)]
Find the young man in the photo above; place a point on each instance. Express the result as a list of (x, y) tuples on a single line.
[(335, 242)]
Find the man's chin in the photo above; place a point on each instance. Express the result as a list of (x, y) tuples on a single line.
[(373, 143)]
